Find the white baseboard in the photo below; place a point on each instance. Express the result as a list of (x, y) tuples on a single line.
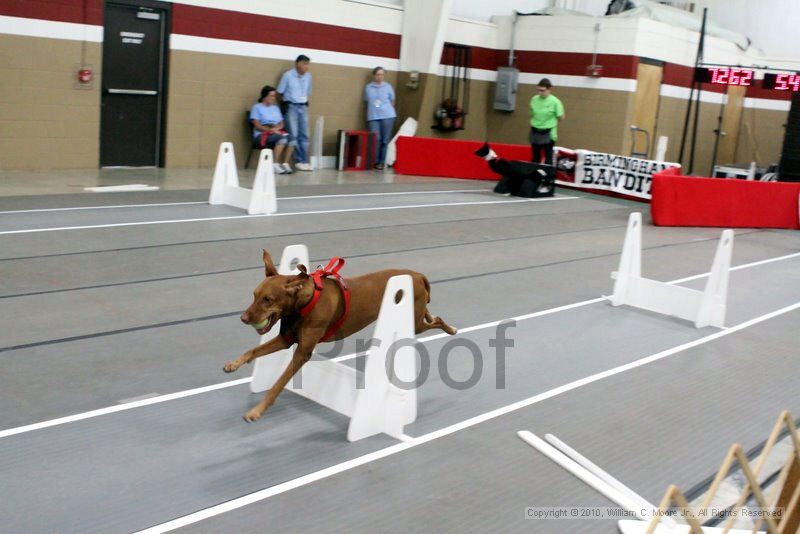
[(328, 162)]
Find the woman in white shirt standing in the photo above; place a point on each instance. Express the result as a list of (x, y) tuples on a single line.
[(379, 96)]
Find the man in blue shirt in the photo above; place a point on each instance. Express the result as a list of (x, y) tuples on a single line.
[(295, 88)]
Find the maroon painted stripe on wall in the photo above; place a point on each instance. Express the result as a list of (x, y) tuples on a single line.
[(568, 63), (482, 58), (223, 24), (757, 91), (678, 75), (233, 25), (55, 10), (614, 66), (574, 64), (682, 76)]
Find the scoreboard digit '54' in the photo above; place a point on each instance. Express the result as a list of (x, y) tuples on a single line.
[(782, 82)]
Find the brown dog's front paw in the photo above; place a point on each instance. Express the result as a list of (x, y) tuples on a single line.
[(252, 415), (231, 366)]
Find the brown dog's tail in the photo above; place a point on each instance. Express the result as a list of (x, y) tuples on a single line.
[(427, 287)]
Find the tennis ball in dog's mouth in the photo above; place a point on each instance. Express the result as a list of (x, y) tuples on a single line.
[(262, 324)]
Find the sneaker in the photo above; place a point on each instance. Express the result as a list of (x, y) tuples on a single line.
[(303, 166), (278, 168), (287, 169)]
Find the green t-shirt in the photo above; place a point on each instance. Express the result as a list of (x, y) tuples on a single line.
[(545, 113)]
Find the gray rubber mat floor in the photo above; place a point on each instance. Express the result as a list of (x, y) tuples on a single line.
[(176, 212), (101, 317)]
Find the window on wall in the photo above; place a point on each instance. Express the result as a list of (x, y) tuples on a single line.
[(451, 114)]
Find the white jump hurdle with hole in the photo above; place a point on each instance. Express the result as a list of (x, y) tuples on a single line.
[(225, 189), (704, 308), (368, 397)]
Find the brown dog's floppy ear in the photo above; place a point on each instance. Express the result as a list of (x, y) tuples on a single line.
[(269, 268), (303, 271), (294, 285)]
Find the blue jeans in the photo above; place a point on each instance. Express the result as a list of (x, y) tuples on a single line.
[(382, 128), (297, 126)]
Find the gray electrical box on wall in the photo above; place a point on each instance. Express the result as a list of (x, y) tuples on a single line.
[(505, 90)]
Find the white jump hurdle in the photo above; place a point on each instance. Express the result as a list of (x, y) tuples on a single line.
[(225, 187), (409, 128), (704, 308), (379, 406)]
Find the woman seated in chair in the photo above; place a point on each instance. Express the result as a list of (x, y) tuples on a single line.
[(268, 129)]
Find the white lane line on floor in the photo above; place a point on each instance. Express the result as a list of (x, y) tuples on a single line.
[(491, 324), (279, 198), (197, 391), (446, 431), (139, 397), (232, 383), (317, 212), (740, 267), (120, 407), (389, 193), (103, 207)]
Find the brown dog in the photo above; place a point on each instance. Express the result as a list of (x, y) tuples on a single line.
[(284, 297)]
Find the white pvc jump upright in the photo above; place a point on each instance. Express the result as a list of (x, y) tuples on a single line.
[(316, 142), (704, 308), (372, 402), (409, 128), (225, 185)]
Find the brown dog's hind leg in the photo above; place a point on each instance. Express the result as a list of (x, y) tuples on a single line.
[(273, 345), (429, 322), (299, 359)]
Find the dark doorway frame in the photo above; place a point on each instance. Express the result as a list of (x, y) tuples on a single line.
[(166, 8)]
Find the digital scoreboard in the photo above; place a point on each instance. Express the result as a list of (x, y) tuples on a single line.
[(782, 82), (724, 75)]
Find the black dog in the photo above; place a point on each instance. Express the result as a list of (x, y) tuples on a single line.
[(520, 178)]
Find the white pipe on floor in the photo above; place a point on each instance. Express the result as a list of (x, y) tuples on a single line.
[(121, 188), (593, 468), (582, 473)]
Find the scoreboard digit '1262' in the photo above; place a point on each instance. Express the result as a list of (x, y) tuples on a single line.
[(724, 75), (745, 77)]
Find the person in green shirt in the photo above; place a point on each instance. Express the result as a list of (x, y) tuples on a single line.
[(546, 112)]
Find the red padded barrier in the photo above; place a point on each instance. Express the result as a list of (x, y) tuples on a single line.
[(729, 203), (427, 156)]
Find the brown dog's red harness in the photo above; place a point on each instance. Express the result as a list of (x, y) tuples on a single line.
[(329, 271)]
